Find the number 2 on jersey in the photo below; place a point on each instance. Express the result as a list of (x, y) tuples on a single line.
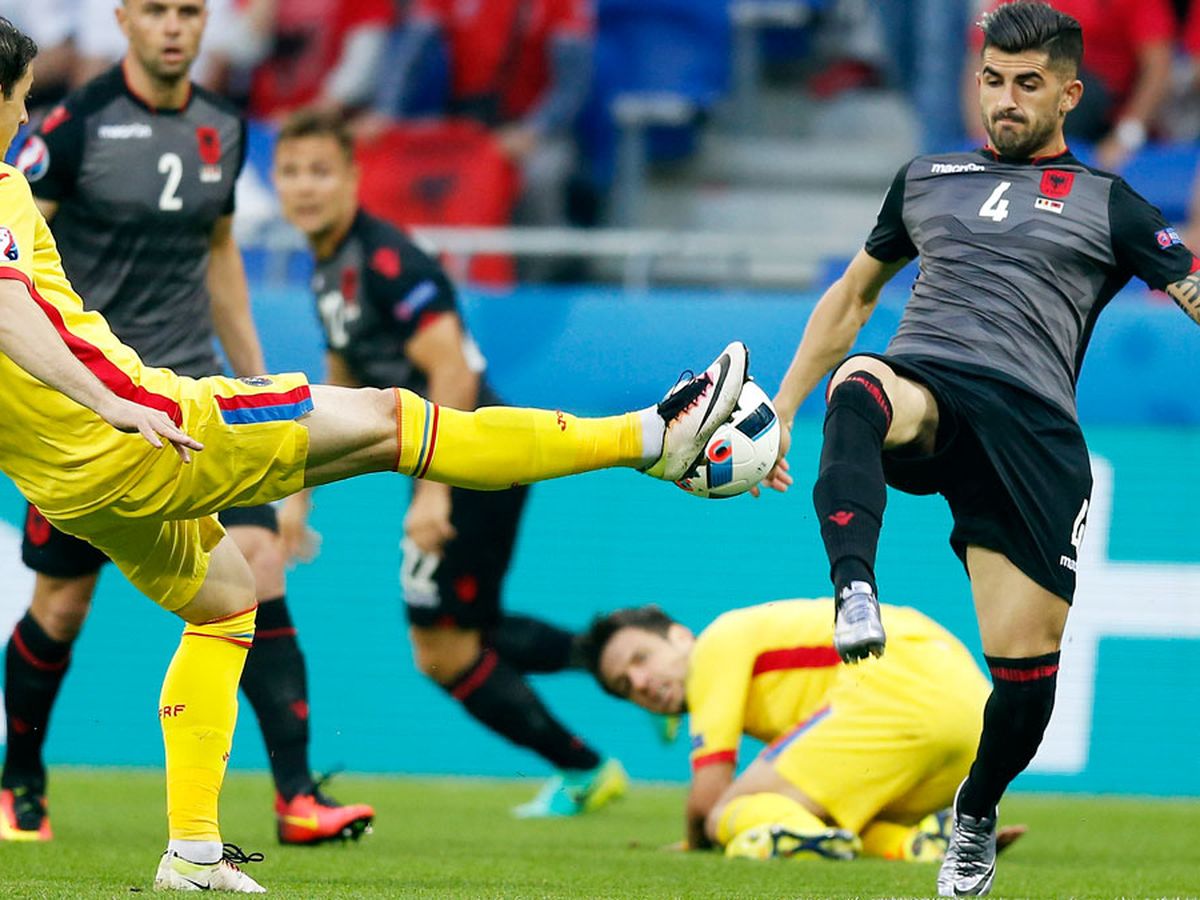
[(171, 165), (995, 207)]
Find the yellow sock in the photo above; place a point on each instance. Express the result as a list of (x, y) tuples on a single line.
[(198, 710), (498, 446), (889, 840), (750, 810)]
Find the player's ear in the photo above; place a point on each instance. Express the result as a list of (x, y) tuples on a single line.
[(1071, 95)]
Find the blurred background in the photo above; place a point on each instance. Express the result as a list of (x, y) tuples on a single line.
[(620, 187)]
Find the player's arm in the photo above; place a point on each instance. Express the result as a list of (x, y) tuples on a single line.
[(230, 301), (46, 207), (437, 350), (708, 784), (29, 340)]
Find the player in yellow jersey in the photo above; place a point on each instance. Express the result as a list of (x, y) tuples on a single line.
[(858, 759), (82, 426)]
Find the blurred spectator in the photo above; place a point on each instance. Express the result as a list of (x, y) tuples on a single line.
[(319, 52), (50, 23), (520, 67), (1127, 54)]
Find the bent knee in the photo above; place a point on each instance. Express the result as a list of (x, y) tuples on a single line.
[(444, 654), (263, 550), (61, 605)]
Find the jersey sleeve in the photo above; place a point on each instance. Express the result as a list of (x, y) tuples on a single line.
[(1144, 244), (231, 201), (19, 226), (718, 680), (407, 288), (53, 155), (889, 241)]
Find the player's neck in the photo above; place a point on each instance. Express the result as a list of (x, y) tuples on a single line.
[(154, 92), (325, 244)]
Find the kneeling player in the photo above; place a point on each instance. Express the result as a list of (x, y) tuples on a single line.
[(859, 759)]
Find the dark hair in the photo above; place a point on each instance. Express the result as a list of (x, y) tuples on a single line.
[(17, 50), (1034, 25), (590, 644), (318, 123)]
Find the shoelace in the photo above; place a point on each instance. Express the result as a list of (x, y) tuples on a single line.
[(855, 608), (318, 794), (973, 849), (688, 389), (235, 856), (29, 809)]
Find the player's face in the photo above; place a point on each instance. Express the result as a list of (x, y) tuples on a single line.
[(13, 113), (1023, 101), (647, 668), (316, 184), (164, 35)]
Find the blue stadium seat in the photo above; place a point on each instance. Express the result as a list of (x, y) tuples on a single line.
[(670, 47)]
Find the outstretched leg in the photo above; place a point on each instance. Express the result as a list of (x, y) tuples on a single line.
[(353, 431)]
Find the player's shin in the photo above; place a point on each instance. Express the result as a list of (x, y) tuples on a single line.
[(750, 810), (198, 711), (1014, 720), (496, 447)]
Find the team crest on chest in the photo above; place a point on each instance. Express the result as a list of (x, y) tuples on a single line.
[(8, 245), (1056, 183), (208, 142)]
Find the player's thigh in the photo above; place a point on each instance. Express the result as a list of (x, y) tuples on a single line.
[(61, 605), (1017, 616), (255, 530), (350, 431), (847, 764), (914, 408), (168, 561)]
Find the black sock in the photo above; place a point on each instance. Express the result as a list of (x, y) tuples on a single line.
[(34, 668), (850, 493), (277, 687), (1014, 721), (497, 695), (531, 645)]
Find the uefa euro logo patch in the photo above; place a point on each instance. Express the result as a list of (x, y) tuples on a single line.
[(1167, 238), (8, 245), (34, 158)]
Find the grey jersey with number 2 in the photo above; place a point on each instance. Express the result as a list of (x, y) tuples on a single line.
[(139, 191), (1017, 259)]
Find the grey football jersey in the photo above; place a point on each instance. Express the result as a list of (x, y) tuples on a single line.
[(373, 295), (139, 192), (1017, 259)]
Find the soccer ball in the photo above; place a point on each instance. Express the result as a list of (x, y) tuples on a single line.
[(740, 452)]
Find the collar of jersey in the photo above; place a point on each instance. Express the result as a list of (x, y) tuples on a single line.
[(1057, 158)]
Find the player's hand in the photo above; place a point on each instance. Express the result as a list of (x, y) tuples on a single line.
[(676, 847), (152, 424), (427, 523), (301, 543), (780, 477)]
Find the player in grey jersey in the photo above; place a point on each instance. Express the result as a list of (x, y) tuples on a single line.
[(1021, 246), (136, 172)]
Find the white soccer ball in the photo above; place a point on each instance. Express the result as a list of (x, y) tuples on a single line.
[(740, 453)]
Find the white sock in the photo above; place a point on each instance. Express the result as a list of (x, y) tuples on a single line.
[(202, 853), (654, 430)]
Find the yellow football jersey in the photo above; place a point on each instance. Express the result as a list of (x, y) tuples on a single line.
[(766, 669), (63, 457)]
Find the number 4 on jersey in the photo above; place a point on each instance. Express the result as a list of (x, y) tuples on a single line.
[(995, 207)]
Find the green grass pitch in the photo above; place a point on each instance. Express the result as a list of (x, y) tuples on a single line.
[(454, 839)]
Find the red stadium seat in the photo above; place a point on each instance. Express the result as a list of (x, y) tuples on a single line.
[(446, 172)]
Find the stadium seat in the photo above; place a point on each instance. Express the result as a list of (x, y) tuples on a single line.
[(444, 172)]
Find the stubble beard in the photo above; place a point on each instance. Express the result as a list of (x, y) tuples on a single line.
[(1018, 144)]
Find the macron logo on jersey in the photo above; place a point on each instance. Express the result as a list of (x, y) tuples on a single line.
[(955, 168), (131, 131), (8, 245)]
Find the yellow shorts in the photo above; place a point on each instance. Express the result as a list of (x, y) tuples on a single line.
[(896, 737), (162, 528)]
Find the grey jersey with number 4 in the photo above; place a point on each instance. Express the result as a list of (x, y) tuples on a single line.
[(1017, 259), (139, 191)]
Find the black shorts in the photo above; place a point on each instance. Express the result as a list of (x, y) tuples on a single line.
[(49, 551), (461, 588), (1013, 467)]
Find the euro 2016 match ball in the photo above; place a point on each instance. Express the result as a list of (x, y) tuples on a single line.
[(741, 451)]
